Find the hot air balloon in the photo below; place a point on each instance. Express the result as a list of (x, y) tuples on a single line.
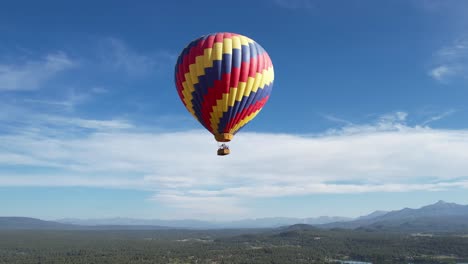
[(224, 80)]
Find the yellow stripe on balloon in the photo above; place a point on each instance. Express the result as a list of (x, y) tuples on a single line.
[(267, 78), (218, 51), (193, 73), (236, 42), (227, 46), (207, 58), (217, 112), (187, 93), (245, 40), (213, 119), (199, 66), (257, 82), (248, 86), (240, 93), (232, 94)]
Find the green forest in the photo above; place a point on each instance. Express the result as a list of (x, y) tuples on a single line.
[(288, 245)]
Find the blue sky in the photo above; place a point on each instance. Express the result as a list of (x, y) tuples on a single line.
[(368, 110)]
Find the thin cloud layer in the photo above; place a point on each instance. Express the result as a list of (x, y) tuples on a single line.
[(184, 172), (30, 75), (118, 56), (451, 62)]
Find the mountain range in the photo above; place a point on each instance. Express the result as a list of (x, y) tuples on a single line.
[(27, 223), (438, 217), (189, 223)]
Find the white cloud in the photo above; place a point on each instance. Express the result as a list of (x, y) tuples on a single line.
[(185, 173), (45, 180), (99, 90), (68, 103), (31, 75), (19, 121), (111, 54), (337, 120), (440, 73), (451, 62), (118, 56), (317, 188), (389, 122), (438, 117), (90, 123), (121, 57)]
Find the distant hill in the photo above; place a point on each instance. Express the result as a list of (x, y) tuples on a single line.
[(372, 215), (438, 217), (125, 227), (12, 223), (25, 223), (297, 227), (357, 222), (268, 222), (120, 221)]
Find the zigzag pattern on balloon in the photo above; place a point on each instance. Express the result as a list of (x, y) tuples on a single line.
[(224, 79)]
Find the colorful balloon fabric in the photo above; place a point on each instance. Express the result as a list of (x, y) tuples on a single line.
[(224, 80)]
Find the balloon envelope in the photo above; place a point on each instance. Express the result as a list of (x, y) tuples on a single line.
[(224, 80)]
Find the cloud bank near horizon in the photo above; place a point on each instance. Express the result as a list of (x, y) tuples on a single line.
[(183, 171)]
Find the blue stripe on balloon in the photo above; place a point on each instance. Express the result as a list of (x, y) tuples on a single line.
[(236, 58), (240, 105), (253, 50), (245, 50), (226, 64)]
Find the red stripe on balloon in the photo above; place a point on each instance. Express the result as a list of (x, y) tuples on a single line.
[(214, 93), (246, 112)]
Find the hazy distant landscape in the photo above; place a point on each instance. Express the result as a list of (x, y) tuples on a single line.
[(439, 217), (436, 233)]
